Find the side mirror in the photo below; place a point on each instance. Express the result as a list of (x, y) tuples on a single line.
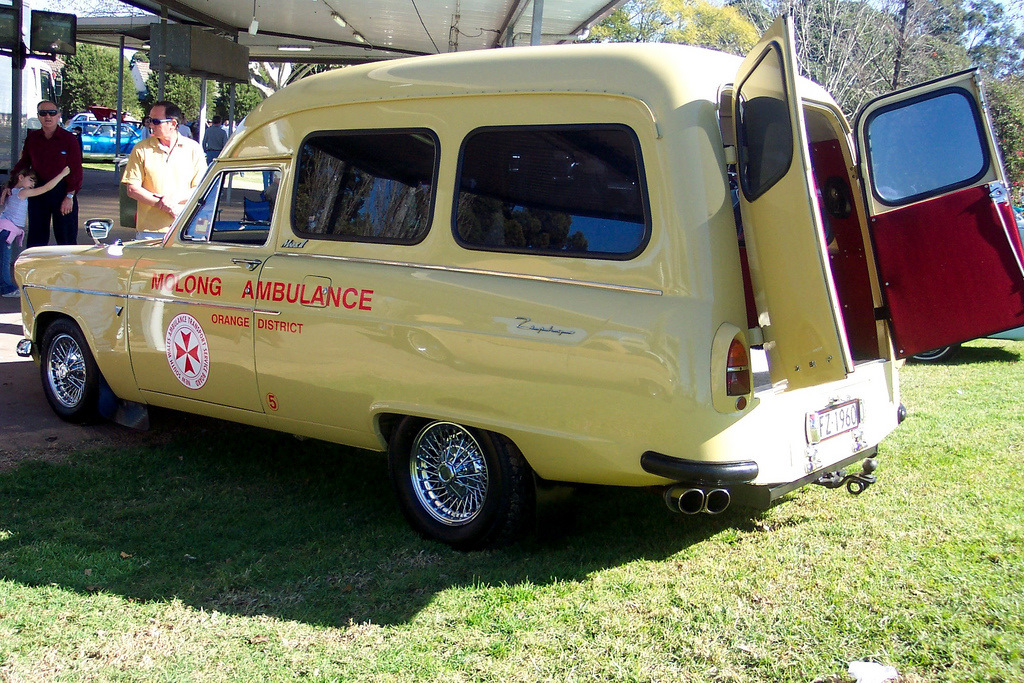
[(98, 229)]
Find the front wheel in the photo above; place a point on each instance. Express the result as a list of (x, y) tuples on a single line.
[(468, 488), (69, 373)]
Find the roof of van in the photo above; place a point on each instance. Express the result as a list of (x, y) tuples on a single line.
[(634, 70), (664, 76)]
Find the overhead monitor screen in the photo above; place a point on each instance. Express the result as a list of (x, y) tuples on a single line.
[(9, 33), (53, 32)]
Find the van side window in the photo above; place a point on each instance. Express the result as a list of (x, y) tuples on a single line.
[(925, 146), (763, 126), (370, 186), (237, 209), (559, 190)]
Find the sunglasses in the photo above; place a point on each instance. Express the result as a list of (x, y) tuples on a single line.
[(47, 112), (157, 122)]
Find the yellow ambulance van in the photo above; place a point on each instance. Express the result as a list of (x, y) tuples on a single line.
[(631, 265)]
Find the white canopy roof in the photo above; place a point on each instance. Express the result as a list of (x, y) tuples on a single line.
[(360, 30)]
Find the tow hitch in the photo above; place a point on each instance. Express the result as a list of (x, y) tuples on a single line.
[(855, 483)]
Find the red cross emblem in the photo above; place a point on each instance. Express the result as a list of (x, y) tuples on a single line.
[(187, 351)]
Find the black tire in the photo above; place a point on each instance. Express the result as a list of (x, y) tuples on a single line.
[(939, 355), (70, 376), (467, 488)]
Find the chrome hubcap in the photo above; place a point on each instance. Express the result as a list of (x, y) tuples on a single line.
[(449, 473), (66, 371)]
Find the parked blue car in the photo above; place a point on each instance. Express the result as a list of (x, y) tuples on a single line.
[(98, 139)]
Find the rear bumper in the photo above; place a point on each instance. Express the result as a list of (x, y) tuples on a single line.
[(703, 473), (736, 476), (772, 449), (762, 497)]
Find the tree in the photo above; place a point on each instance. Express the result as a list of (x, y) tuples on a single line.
[(858, 50), (269, 77), (1006, 105), (183, 91), (697, 22), (246, 98), (993, 39), (90, 78), (265, 78), (691, 22)]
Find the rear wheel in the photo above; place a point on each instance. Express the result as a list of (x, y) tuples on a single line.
[(69, 373), (464, 487), (939, 355)]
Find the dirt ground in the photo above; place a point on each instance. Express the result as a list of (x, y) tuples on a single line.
[(29, 430)]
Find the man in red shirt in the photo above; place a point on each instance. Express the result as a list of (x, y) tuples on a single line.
[(47, 152)]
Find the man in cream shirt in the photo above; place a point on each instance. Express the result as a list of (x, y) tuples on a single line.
[(163, 170)]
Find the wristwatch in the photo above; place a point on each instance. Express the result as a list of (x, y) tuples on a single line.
[(70, 195)]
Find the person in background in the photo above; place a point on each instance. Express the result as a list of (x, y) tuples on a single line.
[(184, 129), (214, 140), (15, 216), (163, 170), (47, 151)]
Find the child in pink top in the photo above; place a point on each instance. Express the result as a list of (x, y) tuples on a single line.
[(14, 218)]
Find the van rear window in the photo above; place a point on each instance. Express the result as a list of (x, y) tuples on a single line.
[(763, 125), (925, 146), (367, 186), (561, 190)]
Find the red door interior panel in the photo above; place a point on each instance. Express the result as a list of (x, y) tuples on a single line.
[(846, 253), (949, 271)]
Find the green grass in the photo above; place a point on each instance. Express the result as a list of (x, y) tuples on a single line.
[(236, 554)]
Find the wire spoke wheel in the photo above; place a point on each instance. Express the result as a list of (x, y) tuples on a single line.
[(469, 488), (70, 377), (449, 473), (66, 370)]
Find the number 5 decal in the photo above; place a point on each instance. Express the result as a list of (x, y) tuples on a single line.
[(272, 401)]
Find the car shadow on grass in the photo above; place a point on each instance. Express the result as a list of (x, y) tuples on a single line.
[(980, 352), (245, 521), (987, 354)]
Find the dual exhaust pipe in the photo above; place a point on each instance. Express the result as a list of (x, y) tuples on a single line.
[(693, 500)]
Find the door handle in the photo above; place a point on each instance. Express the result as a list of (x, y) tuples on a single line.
[(249, 263)]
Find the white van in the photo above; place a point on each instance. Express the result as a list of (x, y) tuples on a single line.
[(521, 266)]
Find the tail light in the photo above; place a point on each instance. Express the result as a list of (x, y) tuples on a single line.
[(737, 370), (730, 360)]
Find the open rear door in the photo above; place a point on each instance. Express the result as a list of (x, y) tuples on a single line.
[(948, 252), (793, 289)]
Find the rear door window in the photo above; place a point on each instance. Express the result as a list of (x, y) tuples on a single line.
[(925, 146), (763, 126), (559, 190)]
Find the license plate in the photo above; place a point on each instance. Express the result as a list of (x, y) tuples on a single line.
[(833, 421)]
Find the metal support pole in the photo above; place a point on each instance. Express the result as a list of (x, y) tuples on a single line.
[(538, 13), (17, 69), (120, 101), (162, 75), (231, 104), (202, 110), (231, 110)]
